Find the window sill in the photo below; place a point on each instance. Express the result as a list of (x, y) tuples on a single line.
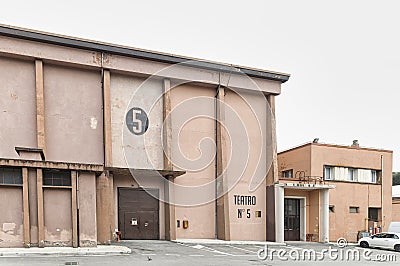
[(10, 185), (47, 186)]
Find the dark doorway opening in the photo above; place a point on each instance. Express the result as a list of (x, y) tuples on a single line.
[(292, 220)]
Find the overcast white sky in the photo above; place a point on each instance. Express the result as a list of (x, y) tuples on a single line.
[(344, 56)]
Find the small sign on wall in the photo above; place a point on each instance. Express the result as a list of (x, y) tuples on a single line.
[(137, 121), (241, 200)]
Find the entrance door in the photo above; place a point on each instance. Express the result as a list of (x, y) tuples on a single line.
[(292, 220), (138, 214)]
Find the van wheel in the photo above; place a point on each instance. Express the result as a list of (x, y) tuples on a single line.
[(397, 248), (365, 244)]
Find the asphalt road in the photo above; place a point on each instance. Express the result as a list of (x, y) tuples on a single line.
[(170, 253)]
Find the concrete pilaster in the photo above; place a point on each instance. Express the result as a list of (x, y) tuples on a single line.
[(105, 208), (25, 191), (223, 221), (325, 215), (279, 214)]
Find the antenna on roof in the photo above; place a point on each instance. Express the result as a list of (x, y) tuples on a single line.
[(316, 140)]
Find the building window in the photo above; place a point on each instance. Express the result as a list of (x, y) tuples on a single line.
[(354, 209), (56, 178), (332, 208), (373, 176), (10, 176), (287, 173), (351, 174), (328, 173), (374, 214)]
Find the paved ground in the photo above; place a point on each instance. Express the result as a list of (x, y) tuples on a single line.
[(170, 253)]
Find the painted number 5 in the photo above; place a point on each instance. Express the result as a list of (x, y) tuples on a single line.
[(137, 121)]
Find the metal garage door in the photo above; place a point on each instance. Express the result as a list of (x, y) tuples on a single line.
[(138, 213)]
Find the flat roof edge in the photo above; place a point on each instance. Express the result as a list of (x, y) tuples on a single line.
[(334, 146), (27, 34)]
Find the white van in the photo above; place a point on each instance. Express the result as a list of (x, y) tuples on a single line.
[(394, 227)]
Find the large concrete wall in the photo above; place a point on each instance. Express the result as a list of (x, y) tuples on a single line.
[(73, 115), (57, 217), (17, 106), (193, 151), (87, 209), (141, 151), (346, 224), (367, 195), (298, 159), (396, 211), (343, 223), (11, 224), (252, 112)]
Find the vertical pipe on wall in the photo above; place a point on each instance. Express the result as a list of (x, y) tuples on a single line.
[(25, 191)]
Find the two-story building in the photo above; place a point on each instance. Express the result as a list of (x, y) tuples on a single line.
[(327, 191)]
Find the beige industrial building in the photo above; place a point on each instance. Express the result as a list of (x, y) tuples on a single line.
[(101, 140), (326, 191)]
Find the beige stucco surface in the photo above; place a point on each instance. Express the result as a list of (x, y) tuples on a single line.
[(17, 106), (11, 225), (252, 112), (193, 150), (73, 115), (129, 150), (396, 211), (87, 210), (57, 217)]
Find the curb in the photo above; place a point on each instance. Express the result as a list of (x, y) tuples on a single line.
[(64, 251)]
